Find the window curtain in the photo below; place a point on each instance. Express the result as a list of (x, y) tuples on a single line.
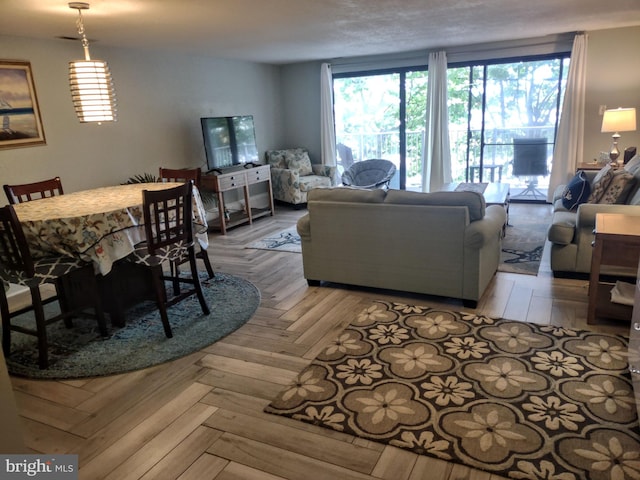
[(568, 149), (327, 127), (436, 154)]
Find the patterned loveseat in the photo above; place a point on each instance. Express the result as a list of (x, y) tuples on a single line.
[(293, 174)]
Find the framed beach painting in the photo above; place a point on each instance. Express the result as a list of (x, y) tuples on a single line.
[(19, 112)]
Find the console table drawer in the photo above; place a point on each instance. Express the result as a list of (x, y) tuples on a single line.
[(229, 181), (259, 174)]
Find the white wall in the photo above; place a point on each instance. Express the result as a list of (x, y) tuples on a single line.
[(161, 97), (613, 79)]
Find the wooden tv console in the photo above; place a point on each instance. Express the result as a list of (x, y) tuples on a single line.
[(242, 178)]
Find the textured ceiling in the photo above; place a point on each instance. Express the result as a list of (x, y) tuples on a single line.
[(287, 31)]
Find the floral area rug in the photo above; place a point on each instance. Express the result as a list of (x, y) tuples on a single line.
[(511, 398), (285, 241), (525, 237)]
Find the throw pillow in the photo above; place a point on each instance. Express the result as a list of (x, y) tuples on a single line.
[(600, 184), (298, 159), (618, 188), (276, 158), (576, 192)]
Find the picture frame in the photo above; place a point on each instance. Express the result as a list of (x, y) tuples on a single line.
[(21, 124)]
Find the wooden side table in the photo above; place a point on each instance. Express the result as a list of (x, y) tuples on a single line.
[(616, 253), (235, 180), (593, 166)]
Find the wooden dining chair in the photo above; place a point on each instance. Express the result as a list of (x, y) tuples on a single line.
[(17, 266), (184, 175), (180, 175), (169, 238), (33, 191)]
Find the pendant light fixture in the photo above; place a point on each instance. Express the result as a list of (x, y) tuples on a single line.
[(92, 91)]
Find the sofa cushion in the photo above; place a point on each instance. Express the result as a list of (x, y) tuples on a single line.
[(562, 228), (576, 192), (618, 188), (347, 194), (600, 184), (473, 200), (298, 159)]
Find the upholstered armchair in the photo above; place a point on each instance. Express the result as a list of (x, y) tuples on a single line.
[(293, 174)]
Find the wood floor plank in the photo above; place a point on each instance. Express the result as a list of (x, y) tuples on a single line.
[(62, 393), (260, 389), (130, 406), (48, 412), (155, 449), (180, 459), (206, 467), (248, 369), (271, 359), (44, 438), (236, 471), (113, 450), (276, 461), (295, 440), (428, 468), (394, 464)]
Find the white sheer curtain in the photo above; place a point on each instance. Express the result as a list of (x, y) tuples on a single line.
[(327, 128), (568, 149), (436, 154)]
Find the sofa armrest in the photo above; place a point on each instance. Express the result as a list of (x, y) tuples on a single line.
[(586, 214), (304, 227), (325, 171), (481, 231)]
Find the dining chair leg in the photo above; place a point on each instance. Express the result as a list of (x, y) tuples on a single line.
[(161, 299), (204, 255), (6, 323), (41, 328), (196, 281), (175, 274), (96, 301)]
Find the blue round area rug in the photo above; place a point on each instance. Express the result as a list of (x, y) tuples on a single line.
[(81, 352)]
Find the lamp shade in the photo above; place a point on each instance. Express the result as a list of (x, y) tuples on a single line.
[(92, 91), (619, 120)]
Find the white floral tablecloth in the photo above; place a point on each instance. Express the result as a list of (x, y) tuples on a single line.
[(100, 225)]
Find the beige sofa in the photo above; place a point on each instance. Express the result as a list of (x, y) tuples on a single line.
[(442, 243), (571, 231)]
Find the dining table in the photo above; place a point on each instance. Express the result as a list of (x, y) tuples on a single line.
[(102, 226)]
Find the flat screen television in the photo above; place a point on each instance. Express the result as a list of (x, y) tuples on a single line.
[(229, 141)]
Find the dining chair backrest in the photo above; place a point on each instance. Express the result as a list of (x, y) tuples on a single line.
[(181, 175), (14, 250), (168, 217), (33, 191)]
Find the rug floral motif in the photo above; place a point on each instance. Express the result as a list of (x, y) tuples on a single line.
[(285, 241), (515, 399)]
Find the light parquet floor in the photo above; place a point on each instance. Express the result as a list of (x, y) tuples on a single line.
[(200, 417)]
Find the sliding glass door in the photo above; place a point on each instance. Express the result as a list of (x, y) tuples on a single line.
[(498, 111), (508, 131), (382, 115)]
